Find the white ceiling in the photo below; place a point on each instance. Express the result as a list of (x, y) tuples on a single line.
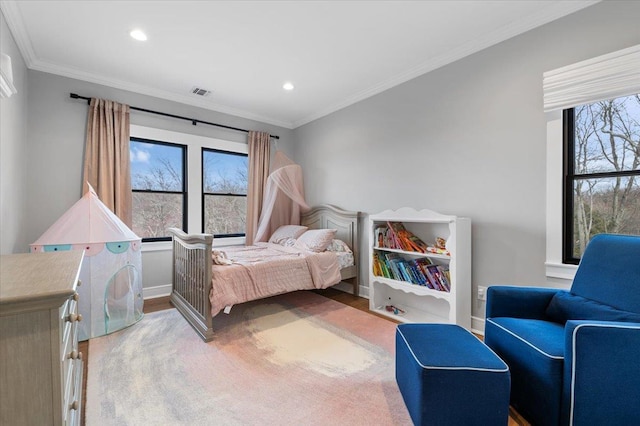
[(335, 52)]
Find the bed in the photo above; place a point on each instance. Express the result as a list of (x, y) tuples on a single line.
[(202, 288)]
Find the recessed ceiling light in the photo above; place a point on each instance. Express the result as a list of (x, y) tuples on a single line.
[(138, 35), (287, 86)]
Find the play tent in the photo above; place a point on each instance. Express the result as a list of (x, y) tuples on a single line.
[(110, 296), (283, 197)]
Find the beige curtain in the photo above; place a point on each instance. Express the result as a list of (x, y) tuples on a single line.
[(259, 158), (106, 156)]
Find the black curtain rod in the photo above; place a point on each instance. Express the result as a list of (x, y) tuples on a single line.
[(193, 121)]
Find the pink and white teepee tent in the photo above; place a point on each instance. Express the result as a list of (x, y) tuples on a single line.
[(110, 296)]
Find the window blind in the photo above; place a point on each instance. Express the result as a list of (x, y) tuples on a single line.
[(605, 77)]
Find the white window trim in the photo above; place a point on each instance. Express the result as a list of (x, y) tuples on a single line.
[(554, 267), (194, 144), (605, 77)]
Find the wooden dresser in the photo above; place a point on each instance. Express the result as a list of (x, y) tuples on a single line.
[(40, 366)]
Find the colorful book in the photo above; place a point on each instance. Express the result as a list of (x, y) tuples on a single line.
[(380, 236), (444, 278), (432, 274)]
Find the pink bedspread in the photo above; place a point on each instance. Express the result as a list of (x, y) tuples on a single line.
[(264, 270)]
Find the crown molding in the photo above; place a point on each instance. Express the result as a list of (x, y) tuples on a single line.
[(554, 11), (16, 25), (15, 22), (150, 91)]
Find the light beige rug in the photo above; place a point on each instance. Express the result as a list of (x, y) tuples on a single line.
[(294, 359)]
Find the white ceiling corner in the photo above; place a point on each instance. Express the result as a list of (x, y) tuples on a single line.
[(336, 53)]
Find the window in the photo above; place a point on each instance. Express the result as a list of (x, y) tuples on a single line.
[(224, 192), (158, 183), (176, 158), (602, 172), (609, 76)]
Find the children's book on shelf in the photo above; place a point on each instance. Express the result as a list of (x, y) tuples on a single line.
[(393, 261), (392, 265), (414, 271), (395, 236), (437, 275), (377, 268), (380, 236), (380, 267)]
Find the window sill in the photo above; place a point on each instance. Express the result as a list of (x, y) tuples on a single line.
[(560, 270), (156, 246), (167, 245), (231, 241)]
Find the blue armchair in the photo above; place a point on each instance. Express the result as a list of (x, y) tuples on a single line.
[(574, 355)]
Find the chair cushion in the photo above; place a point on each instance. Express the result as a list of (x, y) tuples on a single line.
[(545, 337), (565, 306), (447, 376), (448, 346), (609, 272), (534, 351)]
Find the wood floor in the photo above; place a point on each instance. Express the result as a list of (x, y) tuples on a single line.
[(161, 303)]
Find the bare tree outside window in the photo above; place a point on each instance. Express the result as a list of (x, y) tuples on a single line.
[(605, 180), (224, 183), (157, 181)]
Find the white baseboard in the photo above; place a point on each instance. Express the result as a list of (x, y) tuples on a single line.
[(165, 290), (477, 325), (363, 291), (157, 291)]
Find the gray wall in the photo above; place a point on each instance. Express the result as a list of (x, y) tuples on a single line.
[(467, 139), (13, 152), (57, 127), (55, 148)]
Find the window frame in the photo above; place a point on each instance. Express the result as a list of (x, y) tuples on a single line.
[(602, 77), (185, 184), (569, 178), (193, 143), (204, 194)]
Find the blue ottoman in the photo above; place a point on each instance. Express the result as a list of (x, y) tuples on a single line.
[(447, 376)]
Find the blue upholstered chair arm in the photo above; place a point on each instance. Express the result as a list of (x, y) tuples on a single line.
[(518, 302), (602, 372)]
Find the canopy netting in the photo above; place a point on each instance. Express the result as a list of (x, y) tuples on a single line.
[(283, 197)]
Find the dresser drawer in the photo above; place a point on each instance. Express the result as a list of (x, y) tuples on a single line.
[(70, 359), (39, 322), (67, 389), (68, 353), (68, 314), (74, 395)]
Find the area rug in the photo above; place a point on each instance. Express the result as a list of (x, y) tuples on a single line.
[(294, 359)]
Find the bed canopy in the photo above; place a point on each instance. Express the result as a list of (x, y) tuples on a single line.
[(110, 297), (283, 197)]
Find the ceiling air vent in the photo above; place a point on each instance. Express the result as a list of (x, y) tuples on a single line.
[(200, 92)]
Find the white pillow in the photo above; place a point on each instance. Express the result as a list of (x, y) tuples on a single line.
[(339, 246), (287, 232), (315, 240)]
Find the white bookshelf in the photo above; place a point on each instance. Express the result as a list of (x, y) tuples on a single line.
[(421, 303)]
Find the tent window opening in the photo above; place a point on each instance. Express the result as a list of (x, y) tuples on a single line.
[(224, 193), (158, 183)]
